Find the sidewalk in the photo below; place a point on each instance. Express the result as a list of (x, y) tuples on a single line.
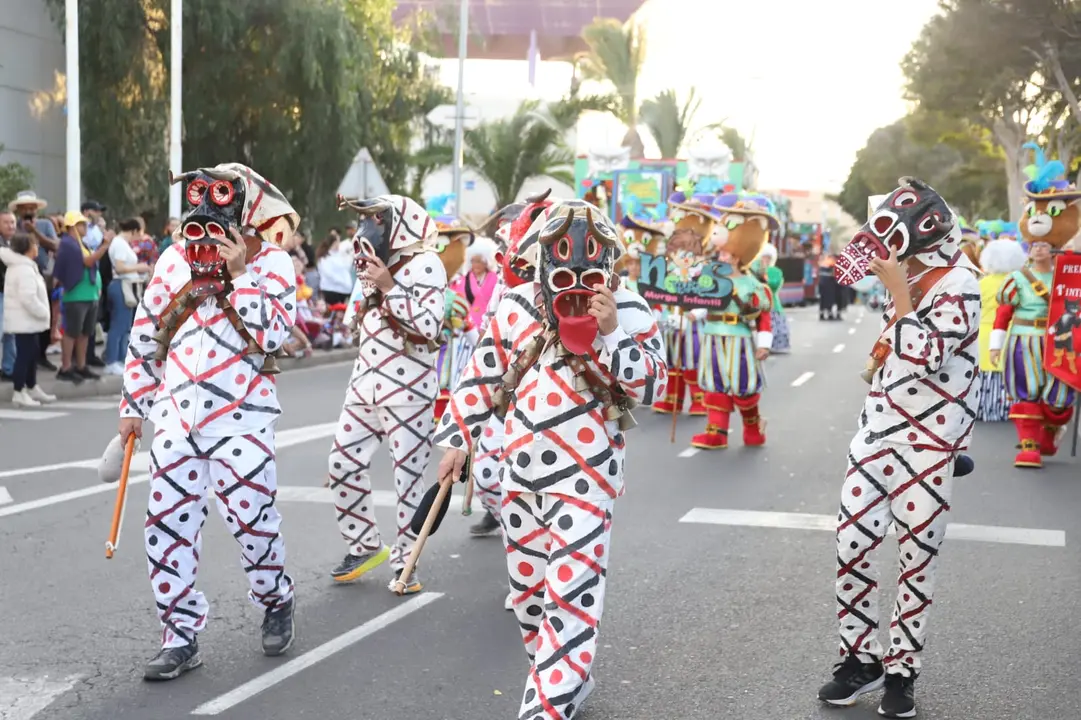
[(109, 385)]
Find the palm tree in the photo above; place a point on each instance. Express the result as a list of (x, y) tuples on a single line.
[(739, 145), (668, 122), (617, 54)]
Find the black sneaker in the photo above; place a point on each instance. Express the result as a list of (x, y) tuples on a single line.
[(851, 679), (278, 628), (44, 364), (963, 465), (487, 525), (95, 362), (900, 698), (171, 663), (70, 376), (86, 374), (353, 566), (4, 377)]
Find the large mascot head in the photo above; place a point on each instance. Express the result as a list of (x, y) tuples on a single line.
[(576, 247), (914, 221), (391, 228), (1052, 214), (519, 262), (744, 227), (227, 196), (452, 238), (694, 217)]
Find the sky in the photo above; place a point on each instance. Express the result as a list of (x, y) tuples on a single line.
[(809, 79)]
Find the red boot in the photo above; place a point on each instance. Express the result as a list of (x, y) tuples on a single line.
[(719, 409), (441, 403), (1055, 422), (674, 400), (1028, 419), (698, 400), (753, 425)]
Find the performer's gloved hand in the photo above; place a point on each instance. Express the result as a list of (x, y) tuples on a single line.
[(450, 467)]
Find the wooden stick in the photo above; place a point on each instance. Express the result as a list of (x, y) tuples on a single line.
[(467, 500), (418, 546), (679, 369), (1076, 409), (121, 499)]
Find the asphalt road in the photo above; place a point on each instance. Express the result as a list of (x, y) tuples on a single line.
[(702, 621)]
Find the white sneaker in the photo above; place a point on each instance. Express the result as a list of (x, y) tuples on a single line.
[(23, 399), (40, 395), (114, 369)]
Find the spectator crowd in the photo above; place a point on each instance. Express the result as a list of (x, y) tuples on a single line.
[(72, 282)]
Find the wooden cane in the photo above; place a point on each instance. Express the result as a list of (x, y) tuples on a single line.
[(121, 499), (679, 369), (422, 537), (467, 500)]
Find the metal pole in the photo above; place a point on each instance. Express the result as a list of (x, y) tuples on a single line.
[(74, 137), (176, 63), (459, 121)]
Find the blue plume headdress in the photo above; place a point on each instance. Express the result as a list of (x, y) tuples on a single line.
[(1045, 176)]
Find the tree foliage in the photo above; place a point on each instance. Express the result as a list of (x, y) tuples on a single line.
[(668, 121), (292, 88), (616, 55), (960, 161), (14, 177)]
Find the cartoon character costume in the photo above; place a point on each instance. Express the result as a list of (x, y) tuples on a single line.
[(393, 385), (459, 335), (694, 221), (517, 269), (998, 259), (729, 373), (917, 418), (566, 392), (1042, 404), (200, 367)]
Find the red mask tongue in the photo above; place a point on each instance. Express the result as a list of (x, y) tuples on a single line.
[(578, 333)]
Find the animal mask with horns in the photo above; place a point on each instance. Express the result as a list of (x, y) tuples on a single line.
[(390, 228)]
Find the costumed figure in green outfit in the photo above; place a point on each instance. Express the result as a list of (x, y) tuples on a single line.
[(737, 337), (766, 270)]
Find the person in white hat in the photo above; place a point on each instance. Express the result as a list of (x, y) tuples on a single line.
[(26, 207)]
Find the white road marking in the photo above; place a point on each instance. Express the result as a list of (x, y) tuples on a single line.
[(5, 498), (690, 452), (87, 405), (838, 348), (298, 664), (313, 494), (6, 414), (22, 699), (802, 379), (802, 521), (851, 331), (284, 439)]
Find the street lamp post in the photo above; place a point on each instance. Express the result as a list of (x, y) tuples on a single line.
[(176, 64), (74, 136), (459, 120)]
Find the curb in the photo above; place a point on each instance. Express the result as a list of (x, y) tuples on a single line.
[(109, 385)]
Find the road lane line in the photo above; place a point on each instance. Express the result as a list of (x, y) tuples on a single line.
[(86, 405), (690, 452), (5, 496), (22, 699), (322, 495), (803, 521), (284, 439), (6, 414), (838, 348), (802, 379), (298, 664), (851, 331)]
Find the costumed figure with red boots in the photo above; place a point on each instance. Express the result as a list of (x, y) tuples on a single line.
[(564, 360), (737, 338), (693, 222), (916, 421), (214, 316), (402, 286), (1042, 405), (516, 269)]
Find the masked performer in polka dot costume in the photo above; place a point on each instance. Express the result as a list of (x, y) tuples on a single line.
[(916, 420), (402, 286), (516, 269), (200, 366), (1042, 404), (737, 337), (694, 222), (565, 358)]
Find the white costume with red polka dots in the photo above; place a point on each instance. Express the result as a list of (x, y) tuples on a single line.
[(391, 394), (917, 417), (214, 416), (562, 470)]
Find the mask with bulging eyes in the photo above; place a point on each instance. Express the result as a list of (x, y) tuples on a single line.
[(913, 219), (215, 206), (579, 247), (389, 228)]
